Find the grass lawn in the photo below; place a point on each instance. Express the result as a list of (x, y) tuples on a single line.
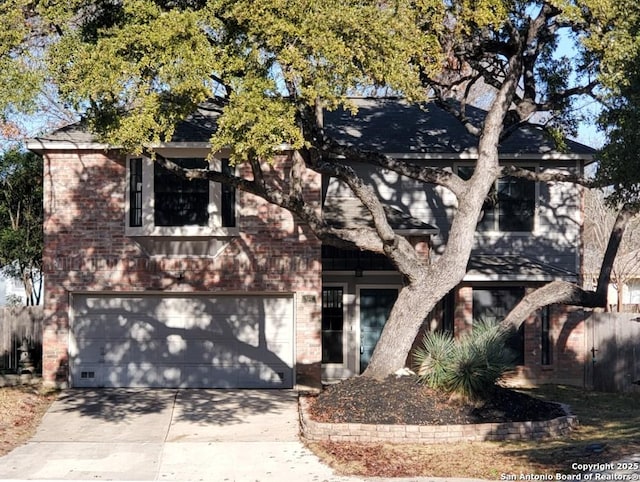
[(612, 420), (21, 409)]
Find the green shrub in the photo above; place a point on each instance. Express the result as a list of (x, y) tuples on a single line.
[(432, 358), (468, 367)]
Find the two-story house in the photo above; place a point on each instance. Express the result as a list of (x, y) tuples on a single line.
[(156, 281)]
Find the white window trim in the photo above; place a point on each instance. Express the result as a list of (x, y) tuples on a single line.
[(148, 228), (495, 233)]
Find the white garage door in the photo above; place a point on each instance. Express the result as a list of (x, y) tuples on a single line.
[(181, 341)]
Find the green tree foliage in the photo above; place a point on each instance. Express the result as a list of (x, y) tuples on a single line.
[(619, 41), (137, 66), (133, 68), (21, 219)]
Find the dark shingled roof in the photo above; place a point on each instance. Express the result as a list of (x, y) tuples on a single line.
[(198, 127), (388, 125), (394, 126)]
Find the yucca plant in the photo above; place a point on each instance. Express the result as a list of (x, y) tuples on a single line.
[(468, 367), (432, 359)]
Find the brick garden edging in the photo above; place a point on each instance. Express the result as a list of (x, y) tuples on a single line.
[(361, 432)]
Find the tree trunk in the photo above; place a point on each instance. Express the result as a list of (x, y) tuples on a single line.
[(620, 296), (37, 290), (28, 286), (411, 308)]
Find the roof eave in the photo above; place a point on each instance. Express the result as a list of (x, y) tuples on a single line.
[(478, 277), (417, 232), (41, 145), (472, 156)]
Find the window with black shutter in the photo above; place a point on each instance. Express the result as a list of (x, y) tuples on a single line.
[(179, 201), (135, 192), (228, 199)]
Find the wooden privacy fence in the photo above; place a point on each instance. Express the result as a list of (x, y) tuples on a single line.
[(20, 327), (613, 341)]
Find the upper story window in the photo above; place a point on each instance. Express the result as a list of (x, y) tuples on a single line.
[(510, 205), (179, 201), (161, 203)]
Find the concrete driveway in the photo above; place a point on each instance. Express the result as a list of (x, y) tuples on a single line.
[(131, 434)]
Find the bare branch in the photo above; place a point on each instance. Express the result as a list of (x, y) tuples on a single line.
[(227, 88), (546, 176), (617, 232), (411, 170), (461, 116), (394, 246), (364, 238), (563, 292)]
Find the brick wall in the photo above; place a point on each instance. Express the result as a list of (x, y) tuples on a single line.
[(568, 342), (433, 434), (86, 249), (568, 350), (463, 311)]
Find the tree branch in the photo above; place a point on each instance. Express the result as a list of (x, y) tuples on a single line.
[(565, 293), (411, 170), (364, 238), (394, 246), (519, 172)]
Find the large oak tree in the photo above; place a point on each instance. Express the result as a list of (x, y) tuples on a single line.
[(21, 218), (133, 68)]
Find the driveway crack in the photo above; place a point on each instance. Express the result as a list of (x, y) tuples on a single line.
[(173, 411), (166, 436)]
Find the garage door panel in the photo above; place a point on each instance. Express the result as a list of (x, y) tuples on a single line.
[(116, 352), (259, 375), (88, 375), (140, 331), (90, 327), (212, 352), (140, 375), (281, 349), (84, 350), (119, 326), (182, 341), (211, 376)]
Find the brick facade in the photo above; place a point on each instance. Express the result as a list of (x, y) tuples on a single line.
[(87, 250), (567, 342)]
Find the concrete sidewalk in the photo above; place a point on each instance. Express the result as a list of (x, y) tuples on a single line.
[(191, 435)]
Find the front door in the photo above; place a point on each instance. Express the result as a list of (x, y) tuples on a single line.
[(375, 306)]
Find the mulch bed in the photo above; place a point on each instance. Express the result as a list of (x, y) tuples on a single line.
[(402, 400)]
